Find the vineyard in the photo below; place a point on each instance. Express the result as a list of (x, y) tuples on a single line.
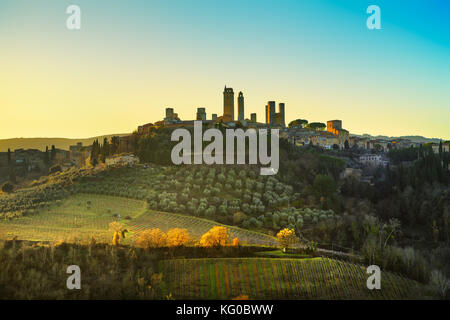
[(81, 216), (262, 278), (195, 226)]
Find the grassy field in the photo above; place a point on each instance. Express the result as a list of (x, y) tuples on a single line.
[(263, 278), (195, 226), (73, 218)]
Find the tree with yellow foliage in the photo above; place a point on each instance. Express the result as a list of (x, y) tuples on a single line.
[(177, 237), (235, 242), (154, 238), (119, 232), (116, 239), (286, 237), (215, 237)]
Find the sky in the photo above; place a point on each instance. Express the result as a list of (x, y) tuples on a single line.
[(132, 59)]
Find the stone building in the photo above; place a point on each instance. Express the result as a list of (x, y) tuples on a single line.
[(228, 104), (335, 127), (373, 160), (121, 160), (274, 118), (30, 159), (4, 159), (201, 114), (241, 106)]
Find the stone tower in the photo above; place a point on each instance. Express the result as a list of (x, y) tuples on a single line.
[(281, 112), (201, 114), (240, 106), (228, 104), (270, 112)]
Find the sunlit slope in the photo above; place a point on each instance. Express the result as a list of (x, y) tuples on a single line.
[(81, 216)]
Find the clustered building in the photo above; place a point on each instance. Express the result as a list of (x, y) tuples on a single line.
[(275, 118), (228, 118), (334, 137)]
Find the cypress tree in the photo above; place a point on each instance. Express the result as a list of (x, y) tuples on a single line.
[(53, 153), (46, 157)]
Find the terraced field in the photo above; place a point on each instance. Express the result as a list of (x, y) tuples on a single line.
[(264, 278), (195, 226), (74, 218)]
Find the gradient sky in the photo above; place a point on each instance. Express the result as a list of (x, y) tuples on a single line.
[(131, 59)]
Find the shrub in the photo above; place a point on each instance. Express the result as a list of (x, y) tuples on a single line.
[(55, 168), (7, 187)]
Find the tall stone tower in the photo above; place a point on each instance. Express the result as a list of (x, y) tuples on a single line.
[(281, 112), (270, 112), (267, 115), (228, 104), (240, 106), (201, 114)]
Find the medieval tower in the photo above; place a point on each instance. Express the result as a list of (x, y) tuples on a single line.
[(228, 104), (240, 106)]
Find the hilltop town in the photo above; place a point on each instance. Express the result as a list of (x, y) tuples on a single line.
[(366, 151)]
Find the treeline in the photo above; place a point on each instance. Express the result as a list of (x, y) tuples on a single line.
[(99, 152)]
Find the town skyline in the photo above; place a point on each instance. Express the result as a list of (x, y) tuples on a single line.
[(62, 83), (209, 113)]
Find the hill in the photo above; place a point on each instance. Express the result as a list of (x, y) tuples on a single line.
[(41, 143), (416, 139)]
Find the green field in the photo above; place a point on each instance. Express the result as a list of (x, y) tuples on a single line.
[(263, 278), (73, 218)]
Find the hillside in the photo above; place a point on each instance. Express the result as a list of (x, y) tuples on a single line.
[(41, 143), (83, 216)]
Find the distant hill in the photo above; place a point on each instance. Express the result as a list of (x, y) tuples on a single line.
[(41, 143), (418, 139)]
